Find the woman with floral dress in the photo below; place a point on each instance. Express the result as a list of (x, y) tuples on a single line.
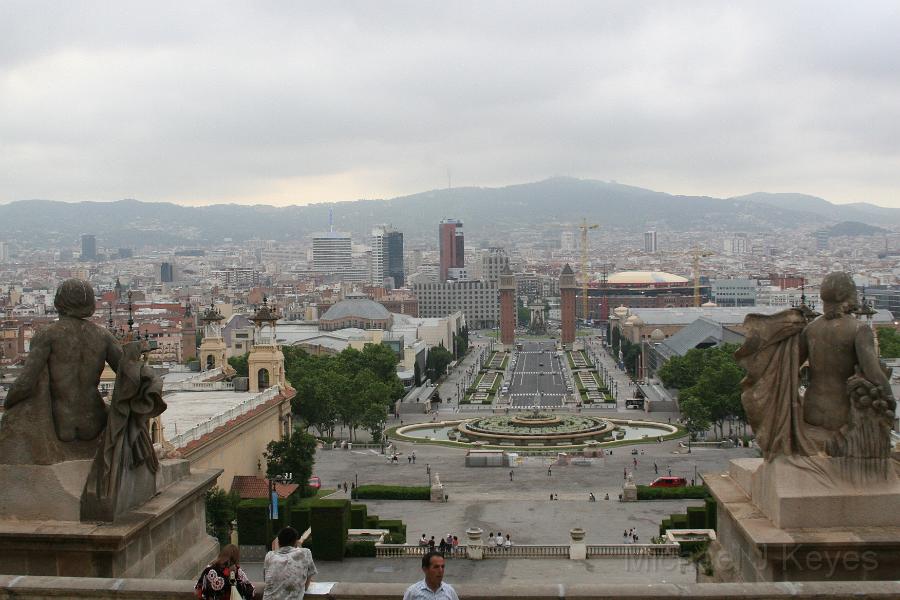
[(222, 576)]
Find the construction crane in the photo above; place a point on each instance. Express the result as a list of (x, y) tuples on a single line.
[(584, 227), (696, 254)]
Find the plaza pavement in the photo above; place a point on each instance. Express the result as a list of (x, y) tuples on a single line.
[(485, 497)]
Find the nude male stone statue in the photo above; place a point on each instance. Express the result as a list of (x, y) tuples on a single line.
[(848, 407), (54, 411)]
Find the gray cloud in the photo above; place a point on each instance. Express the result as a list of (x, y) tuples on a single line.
[(288, 102)]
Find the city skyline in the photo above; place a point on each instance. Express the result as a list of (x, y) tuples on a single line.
[(258, 105)]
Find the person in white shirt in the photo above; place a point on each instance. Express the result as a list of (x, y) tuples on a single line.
[(508, 543), (492, 541), (499, 540), (432, 587), (288, 569)]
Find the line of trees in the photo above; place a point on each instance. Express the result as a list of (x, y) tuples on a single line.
[(354, 389), (709, 388)]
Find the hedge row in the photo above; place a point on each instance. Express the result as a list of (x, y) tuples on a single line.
[(393, 492), (695, 492), (330, 520), (359, 550), (697, 517)]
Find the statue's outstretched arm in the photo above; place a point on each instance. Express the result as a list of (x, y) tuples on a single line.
[(35, 364)]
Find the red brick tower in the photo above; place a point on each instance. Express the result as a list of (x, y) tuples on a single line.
[(567, 288), (507, 309)]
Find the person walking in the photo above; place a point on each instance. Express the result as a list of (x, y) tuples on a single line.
[(221, 575), (549, 471), (655, 469), (288, 569), (413, 457), (510, 475), (432, 587)]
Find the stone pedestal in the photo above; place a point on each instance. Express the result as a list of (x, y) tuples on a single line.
[(776, 523), (475, 544), (165, 537), (577, 547), (629, 490)]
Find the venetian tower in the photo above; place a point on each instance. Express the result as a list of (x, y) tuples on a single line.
[(567, 288), (507, 309)]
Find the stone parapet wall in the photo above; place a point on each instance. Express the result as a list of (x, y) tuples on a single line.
[(71, 588)]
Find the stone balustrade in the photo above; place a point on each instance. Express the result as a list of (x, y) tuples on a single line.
[(195, 433), (535, 551), (80, 588)]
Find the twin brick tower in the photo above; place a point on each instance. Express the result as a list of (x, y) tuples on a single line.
[(567, 287)]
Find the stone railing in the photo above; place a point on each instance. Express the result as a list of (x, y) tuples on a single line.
[(528, 551), (200, 386), (195, 433), (407, 550), (612, 550), (71, 588)]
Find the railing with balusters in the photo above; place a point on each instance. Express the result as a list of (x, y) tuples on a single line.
[(535, 550), (198, 431)]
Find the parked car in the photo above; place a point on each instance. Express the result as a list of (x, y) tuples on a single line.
[(314, 482), (669, 482)]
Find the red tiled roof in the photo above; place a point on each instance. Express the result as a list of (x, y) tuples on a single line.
[(251, 486)]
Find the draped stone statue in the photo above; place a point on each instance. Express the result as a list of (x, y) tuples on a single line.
[(124, 468), (847, 408)]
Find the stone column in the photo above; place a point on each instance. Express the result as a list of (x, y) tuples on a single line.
[(577, 547), (475, 545)]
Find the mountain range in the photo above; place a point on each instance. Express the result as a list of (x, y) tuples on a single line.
[(529, 206)]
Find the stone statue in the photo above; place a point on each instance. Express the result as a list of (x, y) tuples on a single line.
[(54, 412), (847, 409), (56, 417)]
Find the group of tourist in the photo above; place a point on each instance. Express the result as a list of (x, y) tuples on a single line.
[(630, 536), (447, 545), (288, 570), (498, 541)]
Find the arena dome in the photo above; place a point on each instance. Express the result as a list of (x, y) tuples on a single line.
[(644, 278)]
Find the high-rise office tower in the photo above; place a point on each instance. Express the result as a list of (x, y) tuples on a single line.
[(650, 244), (166, 272), (332, 252), (387, 256), (452, 246), (4, 251), (567, 288), (88, 247)]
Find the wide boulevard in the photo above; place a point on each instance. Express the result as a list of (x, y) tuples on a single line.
[(539, 372)]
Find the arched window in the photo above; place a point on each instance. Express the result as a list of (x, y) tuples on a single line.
[(262, 379)]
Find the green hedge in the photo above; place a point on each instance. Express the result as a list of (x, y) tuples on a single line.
[(679, 521), (330, 520), (254, 526), (697, 492), (358, 516), (665, 526), (711, 513), (299, 519), (359, 550), (696, 517), (693, 548), (393, 492)]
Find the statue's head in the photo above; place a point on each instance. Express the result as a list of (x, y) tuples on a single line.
[(838, 289), (75, 298)]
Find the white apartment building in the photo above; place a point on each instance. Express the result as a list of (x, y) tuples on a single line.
[(332, 252), (479, 301)]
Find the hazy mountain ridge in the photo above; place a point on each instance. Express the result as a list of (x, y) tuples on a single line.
[(552, 201)]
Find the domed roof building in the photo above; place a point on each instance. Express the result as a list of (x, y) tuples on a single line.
[(630, 290), (360, 313)]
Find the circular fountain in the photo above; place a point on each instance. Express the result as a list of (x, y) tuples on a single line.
[(536, 428)]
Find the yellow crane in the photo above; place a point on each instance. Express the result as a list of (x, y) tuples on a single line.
[(584, 227), (696, 254)]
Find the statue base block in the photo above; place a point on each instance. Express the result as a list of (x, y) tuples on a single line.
[(165, 537), (779, 524)]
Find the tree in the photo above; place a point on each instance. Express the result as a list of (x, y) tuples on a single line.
[(417, 374), (523, 316), (295, 455), (888, 342), (221, 510), (240, 365), (436, 363)]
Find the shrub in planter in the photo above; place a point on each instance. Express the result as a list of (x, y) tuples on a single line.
[(698, 492), (358, 516), (710, 513), (359, 549), (393, 492), (330, 520), (696, 517)]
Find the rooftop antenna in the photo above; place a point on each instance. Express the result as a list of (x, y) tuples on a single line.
[(331, 220)]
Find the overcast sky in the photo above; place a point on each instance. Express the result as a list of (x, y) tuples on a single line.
[(290, 103)]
